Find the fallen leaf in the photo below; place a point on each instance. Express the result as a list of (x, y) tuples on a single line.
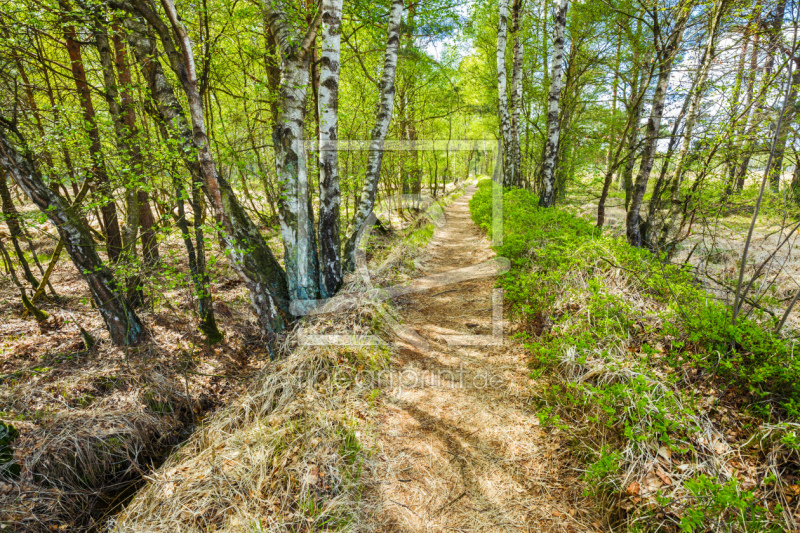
[(665, 452), (633, 488)]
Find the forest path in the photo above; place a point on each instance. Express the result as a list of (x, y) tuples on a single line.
[(459, 446)]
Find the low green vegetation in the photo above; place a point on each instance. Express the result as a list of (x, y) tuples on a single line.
[(681, 417)]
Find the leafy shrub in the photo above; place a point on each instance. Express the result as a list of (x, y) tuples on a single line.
[(616, 328)]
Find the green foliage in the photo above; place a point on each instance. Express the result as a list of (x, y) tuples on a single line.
[(622, 318), (548, 246), (712, 501)]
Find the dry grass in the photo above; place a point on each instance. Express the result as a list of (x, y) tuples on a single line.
[(284, 455), (289, 453), (93, 422)]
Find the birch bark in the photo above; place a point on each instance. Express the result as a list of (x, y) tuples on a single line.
[(383, 117), (709, 54), (249, 254), (288, 137), (123, 325), (328, 110), (502, 95), (547, 198), (666, 58), (516, 95)]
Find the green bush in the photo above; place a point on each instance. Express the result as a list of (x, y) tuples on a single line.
[(615, 328), (549, 246)]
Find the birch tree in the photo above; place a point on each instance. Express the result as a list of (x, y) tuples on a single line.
[(699, 88), (502, 96), (328, 109), (383, 117), (248, 252), (667, 46), (288, 138), (516, 95), (168, 114), (123, 325), (548, 196)]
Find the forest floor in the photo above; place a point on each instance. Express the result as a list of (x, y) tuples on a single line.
[(92, 422), (458, 442)]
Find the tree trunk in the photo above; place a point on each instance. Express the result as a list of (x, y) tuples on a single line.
[(328, 109), (383, 117), (249, 254), (146, 219), (789, 116), (516, 95), (642, 82), (288, 139), (548, 197), (129, 151), (666, 58), (122, 323), (11, 217), (98, 170), (730, 155), (709, 55), (502, 94)]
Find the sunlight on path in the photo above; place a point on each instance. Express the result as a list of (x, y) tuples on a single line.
[(459, 446)]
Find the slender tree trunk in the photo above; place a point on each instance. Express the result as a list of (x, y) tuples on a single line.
[(122, 323), (735, 119), (789, 116), (11, 217), (130, 154), (383, 117), (329, 195), (548, 197), (666, 59), (642, 83), (128, 150), (709, 55), (146, 219), (502, 94), (775, 36), (614, 91), (98, 170), (516, 94), (250, 255)]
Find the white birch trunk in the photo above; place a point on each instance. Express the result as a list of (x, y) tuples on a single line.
[(548, 198), (249, 253), (383, 117), (296, 218), (502, 95), (288, 137), (516, 97), (328, 108)]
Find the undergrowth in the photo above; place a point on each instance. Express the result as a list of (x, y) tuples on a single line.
[(685, 421)]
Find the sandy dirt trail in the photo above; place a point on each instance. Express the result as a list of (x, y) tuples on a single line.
[(459, 447)]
